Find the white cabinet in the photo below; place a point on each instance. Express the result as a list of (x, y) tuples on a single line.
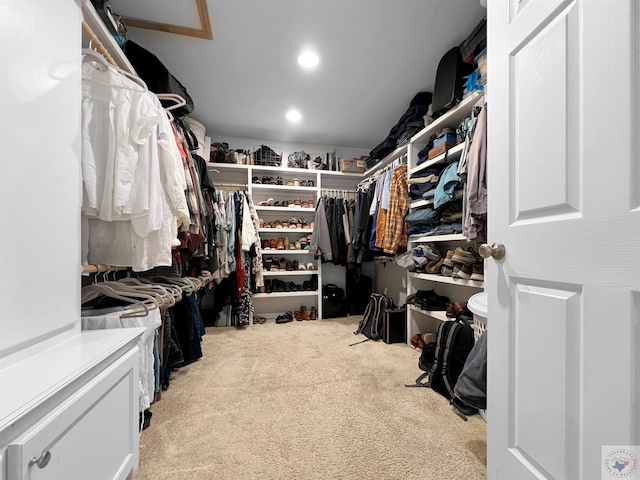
[(418, 320), (71, 412)]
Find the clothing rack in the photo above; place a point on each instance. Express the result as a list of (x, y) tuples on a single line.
[(338, 191), (365, 183), (241, 186), (86, 269), (97, 45)]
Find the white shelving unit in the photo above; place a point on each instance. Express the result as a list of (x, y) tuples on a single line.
[(418, 320), (275, 303)]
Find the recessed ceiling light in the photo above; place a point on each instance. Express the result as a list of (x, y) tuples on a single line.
[(294, 116), (308, 59)]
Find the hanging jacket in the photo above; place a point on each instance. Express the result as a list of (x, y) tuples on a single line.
[(320, 239)]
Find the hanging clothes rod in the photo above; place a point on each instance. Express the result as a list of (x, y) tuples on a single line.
[(102, 268), (232, 185), (97, 45)]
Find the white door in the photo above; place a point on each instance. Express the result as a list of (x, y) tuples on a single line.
[(564, 198)]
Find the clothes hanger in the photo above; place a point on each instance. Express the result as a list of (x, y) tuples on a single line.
[(179, 101), (91, 55), (94, 291), (166, 299)]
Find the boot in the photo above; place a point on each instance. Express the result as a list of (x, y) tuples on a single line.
[(303, 313), (314, 313)]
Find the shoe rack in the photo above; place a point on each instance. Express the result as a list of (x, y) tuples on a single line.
[(291, 184), (457, 289)]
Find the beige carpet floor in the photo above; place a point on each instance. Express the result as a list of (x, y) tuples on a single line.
[(294, 401)]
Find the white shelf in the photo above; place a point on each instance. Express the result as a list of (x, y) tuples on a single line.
[(340, 174), (442, 316), (266, 168), (449, 280), (284, 209), (227, 166), (450, 119), (456, 237), (296, 293), (279, 188), (451, 155), (285, 230), (283, 273), (285, 252), (397, 153), (99, 28)]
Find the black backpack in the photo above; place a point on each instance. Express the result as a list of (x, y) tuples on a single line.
[(444, 359), (372, 324)]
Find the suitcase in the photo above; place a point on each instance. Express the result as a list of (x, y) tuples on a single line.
[(395, 325), (382, 150), (449, 81)]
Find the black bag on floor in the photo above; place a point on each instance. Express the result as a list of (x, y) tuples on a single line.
[(444, 360), (395, 325), (333, 301), (359, 288), (372, 324)]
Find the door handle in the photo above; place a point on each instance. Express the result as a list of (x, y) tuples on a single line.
[(496, 250)]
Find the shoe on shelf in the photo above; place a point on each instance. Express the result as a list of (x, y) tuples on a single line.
[(312, 225), (453, 309), (446, 271), (286, 243), (293, 287), (447, 260), (465, 257), (303, 243), (301, 266), (261, 220), (267, 286), (272, 244), (266, 245), (277, 225), (289, 183), (303, 313), (285, 224), (267, 225), (297, 245), (296, 182), (293, 223), (462, 271), (268, 261), (313, 315), (310, 266), (310, 183), (295, 265), (304, 183), (265, 179), (283, 264), (288, 265), (477, 272), (256, 180), (280, 244), (279, 181), (306, 285), (275, 266), (434, 266)]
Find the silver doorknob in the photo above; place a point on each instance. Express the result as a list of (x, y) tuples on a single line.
[(41, 461), (496, 250)]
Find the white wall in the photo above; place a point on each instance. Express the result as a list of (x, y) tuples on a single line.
[(39, 171)]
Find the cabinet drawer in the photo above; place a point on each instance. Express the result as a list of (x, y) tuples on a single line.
[(92, 435)]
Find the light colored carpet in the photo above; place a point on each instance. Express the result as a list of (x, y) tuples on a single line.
[(294, 401)]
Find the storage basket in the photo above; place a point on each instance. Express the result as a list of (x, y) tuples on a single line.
[(267, 156)]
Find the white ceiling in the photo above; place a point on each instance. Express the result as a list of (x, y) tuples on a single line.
[(375, 55)]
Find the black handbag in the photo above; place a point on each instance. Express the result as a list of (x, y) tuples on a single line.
[(333, 301)]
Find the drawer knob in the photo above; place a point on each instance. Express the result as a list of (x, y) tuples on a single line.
[(41, 461)]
